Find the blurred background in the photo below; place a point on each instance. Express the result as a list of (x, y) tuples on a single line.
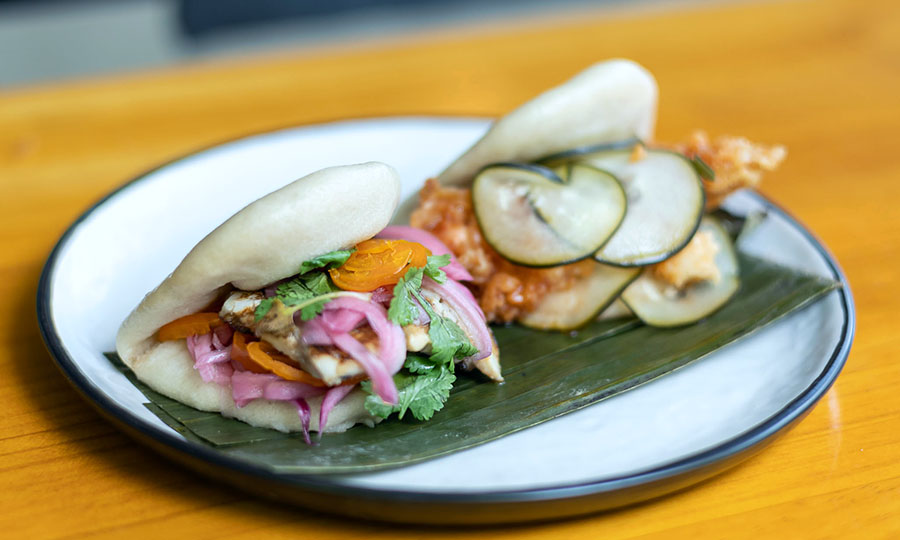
[(46, 40)]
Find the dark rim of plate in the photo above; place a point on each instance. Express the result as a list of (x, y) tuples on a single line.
[(723, 451)]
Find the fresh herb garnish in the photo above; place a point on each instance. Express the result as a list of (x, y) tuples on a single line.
[(319, 284), (421, 393), (331, 259), (263, 308), (309, 312), (424, 383), (433, 266), (403, 309), (448, 341), (703, 169), (299, 290), (416, 363)]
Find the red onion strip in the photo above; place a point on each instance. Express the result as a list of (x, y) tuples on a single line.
[(212, 360), (342, 319), (224, 332), (392, 341), (383, 294), (333, 396), (305, 415), (282, 390), (382, 382), (462, 302), (247, 386), (211, 363), (314, 333)]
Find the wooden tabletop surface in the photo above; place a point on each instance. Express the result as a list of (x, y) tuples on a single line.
[(821, 77)]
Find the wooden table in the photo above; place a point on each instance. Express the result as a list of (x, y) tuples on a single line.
[(821, 77)]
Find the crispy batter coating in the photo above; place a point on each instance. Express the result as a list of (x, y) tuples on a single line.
[(737, 162), (695, 262)]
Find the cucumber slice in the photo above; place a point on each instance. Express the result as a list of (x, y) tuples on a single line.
[(657, 304), (616, 310), (533, 217), (665, 200), (665, 204), (560, 159), (580, 304)]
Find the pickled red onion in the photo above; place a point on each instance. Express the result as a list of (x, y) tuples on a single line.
[(382, 382), (333, 396), (304, 412), (341, 320), (391, 340), (383, 294), (211, 358), (470, 315), (314, 332)]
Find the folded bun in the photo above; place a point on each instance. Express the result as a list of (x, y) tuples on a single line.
[(266, 241), (608, 101)]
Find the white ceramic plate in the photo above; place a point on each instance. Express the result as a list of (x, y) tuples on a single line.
[(648, 441)]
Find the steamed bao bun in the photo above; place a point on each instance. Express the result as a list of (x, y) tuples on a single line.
[(327, 210)]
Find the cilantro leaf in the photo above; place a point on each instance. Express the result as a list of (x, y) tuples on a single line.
[(263, 308), (433, 267), (318, 284), (403, 309), (331, 259), (422, 394), (293, 292), (448, 341), (375, 405), (314, 285), (309, 311), (296, 291), (417, 363)]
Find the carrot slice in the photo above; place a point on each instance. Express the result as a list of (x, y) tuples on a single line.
[(378, 262), (274, 364), (189, 325), (240, 355)]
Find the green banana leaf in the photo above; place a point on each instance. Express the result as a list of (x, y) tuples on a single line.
[(547, 375)]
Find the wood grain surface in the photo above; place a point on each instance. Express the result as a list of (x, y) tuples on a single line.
[(821, 77)]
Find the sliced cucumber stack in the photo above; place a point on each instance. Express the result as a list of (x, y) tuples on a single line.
[(665, 201), (656, 304), (533, 217), (574, 155), (580, 304)]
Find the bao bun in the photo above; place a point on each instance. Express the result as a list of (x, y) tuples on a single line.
[(266, 241)]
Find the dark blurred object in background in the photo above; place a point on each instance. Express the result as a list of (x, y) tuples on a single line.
[(44, 40), (199, 17)]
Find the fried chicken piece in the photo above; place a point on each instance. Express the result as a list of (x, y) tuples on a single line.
[(695, 262), (737, 162)]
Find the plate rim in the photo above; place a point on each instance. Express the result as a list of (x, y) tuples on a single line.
[(733, 450)]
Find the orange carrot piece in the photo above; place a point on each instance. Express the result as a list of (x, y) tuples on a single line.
[(189, 325), (262, 357)]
